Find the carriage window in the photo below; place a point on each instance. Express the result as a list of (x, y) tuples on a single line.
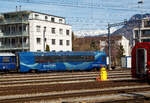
[(5, 59), (67, 58)]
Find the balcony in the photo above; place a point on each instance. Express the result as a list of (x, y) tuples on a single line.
[(15, 34), (147, 23), (13, 21), (1, 34), (145, 33), (14, 47)]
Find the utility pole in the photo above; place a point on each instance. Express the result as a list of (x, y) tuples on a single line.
[(139, 31), (109, 47), (140, 2), (21, 13), (109, 41)]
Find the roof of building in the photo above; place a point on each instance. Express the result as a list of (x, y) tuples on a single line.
[(30, 11), (103, 38)]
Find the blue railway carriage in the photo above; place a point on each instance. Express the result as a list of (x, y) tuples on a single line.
[(61, 61), (7, 62)]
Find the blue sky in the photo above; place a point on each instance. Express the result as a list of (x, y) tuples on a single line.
[(90, 15)]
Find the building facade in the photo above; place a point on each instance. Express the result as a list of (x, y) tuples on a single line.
[(101, 43), (116, 40), (34, 31), (142, 33)]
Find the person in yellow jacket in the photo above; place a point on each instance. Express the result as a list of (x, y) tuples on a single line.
[(103, 73)]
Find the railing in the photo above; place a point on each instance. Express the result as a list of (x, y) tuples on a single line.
[(12, 21), (145, 35), (1, 34), (14, 34), (14, 47)]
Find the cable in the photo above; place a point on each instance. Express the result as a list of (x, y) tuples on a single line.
[(75, 4), (77, 21)]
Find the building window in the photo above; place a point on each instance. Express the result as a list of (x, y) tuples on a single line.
[(46, 18), (9, 29), (60, 20), (102, 43), (20, 28), (53, 30), (36, 16), (60, 31), (145, 33), (147, 23), (67, 42), (53, 42), (24, 27), (67, 32), (52, 19), (38, 28), (60, 42), (38, 40), (44, 29)]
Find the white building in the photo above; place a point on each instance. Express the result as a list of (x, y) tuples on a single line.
[(117, 39), (125, 43), (142, 33), (34, 31)]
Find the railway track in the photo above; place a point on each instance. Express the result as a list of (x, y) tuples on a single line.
[(53, 80), (68, 87), (29, 78), (73, 94), (22, 75)]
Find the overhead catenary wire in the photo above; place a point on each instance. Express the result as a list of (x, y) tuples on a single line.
[(92, 4), (76, 4), (72, 4)]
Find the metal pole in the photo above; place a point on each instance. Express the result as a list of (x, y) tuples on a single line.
[(109, 41), (139, 33), (44, 38), (109, 47), (22, 31), (140, 2)]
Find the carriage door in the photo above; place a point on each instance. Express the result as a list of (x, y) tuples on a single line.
[(141, 60)]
